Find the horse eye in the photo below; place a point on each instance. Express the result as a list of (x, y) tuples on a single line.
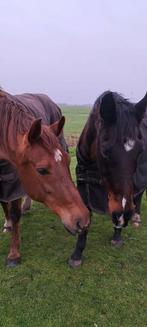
[(42, 171)]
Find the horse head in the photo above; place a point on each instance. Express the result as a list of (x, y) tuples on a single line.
[(43, 167), (119, 145)]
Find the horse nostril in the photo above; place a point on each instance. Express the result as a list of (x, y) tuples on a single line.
[(78, 224), (79, 228)]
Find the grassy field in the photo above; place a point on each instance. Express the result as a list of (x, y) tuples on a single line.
[(76, 117), (110, 289)]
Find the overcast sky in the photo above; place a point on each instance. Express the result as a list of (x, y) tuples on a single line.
[(73, 50)]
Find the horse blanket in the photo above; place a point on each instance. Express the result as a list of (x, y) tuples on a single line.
[(39, 106)]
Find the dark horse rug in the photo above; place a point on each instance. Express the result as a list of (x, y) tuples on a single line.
[(40, 106), (89, 180)]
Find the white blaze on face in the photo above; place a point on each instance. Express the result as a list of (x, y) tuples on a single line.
[(124, 202), (129, 145), (58, 155)]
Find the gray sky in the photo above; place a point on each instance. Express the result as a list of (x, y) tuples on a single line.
[(73, 50)]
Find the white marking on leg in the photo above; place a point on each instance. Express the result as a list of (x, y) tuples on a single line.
[(58, 155), (123, 202), (7, 225), (121, 220), (136, 219), (129, 145)]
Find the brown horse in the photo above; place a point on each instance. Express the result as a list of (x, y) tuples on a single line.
[(36, 150), (108, 170)]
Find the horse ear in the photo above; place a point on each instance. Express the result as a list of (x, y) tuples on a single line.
[(35, 131), (140, 108), (108, 109), (57, 127)]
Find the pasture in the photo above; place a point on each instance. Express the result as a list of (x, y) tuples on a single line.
[(76, 117), (110, 289)]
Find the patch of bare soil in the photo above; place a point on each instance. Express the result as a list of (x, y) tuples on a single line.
[(72, 140)]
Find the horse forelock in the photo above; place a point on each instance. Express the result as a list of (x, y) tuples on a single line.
[(48, 140), (126, 122)]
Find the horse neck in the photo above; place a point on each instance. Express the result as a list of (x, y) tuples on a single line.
[(88, 141), (11, 148)]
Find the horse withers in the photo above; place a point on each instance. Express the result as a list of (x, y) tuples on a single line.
[(107, 153), (32, 141)]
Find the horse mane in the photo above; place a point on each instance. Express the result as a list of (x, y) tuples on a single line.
[(126, 120), (17, 116)]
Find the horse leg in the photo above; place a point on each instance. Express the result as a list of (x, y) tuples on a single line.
[(136, 219), (14, 257), (117, 220), (8, 222), (26, 205), (117, 239), (76, 258)]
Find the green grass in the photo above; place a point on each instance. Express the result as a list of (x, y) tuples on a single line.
[(110, 289), (76, 117)]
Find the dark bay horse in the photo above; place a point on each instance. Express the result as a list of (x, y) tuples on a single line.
[(108, 174), (31, 140)]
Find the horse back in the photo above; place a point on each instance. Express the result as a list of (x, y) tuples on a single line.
[(40, 106)]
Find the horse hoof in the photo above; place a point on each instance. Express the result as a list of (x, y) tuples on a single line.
[(13, 262), (74, 263), (117, 243), (136, 220), (136, 225)]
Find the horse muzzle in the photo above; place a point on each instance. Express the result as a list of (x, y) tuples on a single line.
[(77, 229)]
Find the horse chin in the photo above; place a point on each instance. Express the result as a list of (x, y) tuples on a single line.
[(70, 231)]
